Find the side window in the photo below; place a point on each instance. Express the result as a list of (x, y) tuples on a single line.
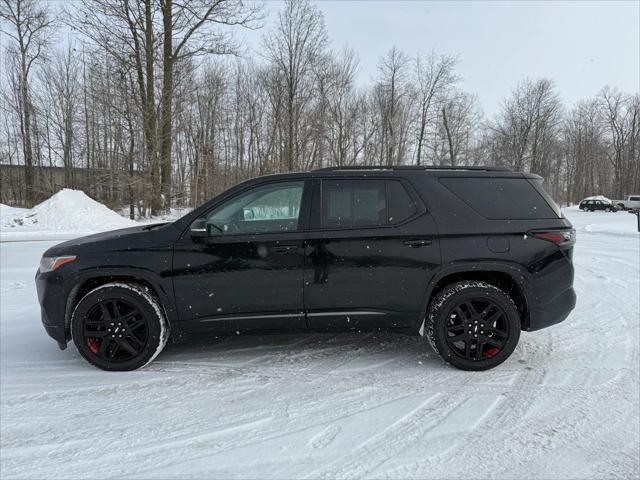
[(508, 198), (353, 203), (267, 208), (401, 206), (364, 203), (634, 199)]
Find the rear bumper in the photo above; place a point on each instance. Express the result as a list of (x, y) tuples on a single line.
[(553, 312)]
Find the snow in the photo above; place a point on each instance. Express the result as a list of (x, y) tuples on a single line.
[(565, 405), (598, 197), (66, 213)]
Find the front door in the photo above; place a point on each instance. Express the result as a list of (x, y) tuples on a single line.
[(370, 255), (248, 272)]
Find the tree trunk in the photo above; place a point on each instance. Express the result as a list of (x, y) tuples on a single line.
[(165, 107), (452, 154)]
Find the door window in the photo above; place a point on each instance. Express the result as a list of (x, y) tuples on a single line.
[(270, 208), (364, 203), (353, 203)]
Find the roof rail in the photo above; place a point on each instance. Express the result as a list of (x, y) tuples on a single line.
[(414, 167)]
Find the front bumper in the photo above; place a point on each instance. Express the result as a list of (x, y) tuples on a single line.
[(52, 296)]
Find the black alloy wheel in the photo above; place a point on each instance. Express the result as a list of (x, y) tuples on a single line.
[(115, 330), (119, 326), (473, 325), (477, 329)]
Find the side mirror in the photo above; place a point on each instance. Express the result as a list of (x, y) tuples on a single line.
[(198, 228)]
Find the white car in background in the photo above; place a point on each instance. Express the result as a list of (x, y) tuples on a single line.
[(632, 202)]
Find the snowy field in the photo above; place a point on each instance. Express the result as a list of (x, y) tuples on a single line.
[(566, 405)]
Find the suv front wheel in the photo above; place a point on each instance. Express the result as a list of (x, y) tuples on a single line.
[(119, 326), (473, 325)]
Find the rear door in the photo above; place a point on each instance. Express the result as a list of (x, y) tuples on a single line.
[(369, 256)]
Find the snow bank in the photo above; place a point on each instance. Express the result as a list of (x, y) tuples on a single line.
[(7, 213), (66, 211)]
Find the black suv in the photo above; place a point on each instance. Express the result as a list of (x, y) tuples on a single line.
[(468, 257)]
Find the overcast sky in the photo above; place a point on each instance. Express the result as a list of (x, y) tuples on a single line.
[(581, 45)]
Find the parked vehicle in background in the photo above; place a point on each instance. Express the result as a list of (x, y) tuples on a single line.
[(467, 257), (629, 203), (591, 204)]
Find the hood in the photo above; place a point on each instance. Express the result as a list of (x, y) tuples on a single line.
[(132, 238)]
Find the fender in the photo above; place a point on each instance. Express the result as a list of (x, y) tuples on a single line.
[(519, 274), (160, 285)]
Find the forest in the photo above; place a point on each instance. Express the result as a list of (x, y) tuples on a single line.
[(153, 104)]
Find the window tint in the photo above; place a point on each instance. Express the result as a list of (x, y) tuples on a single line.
[(400, 204), (634, 199), (353, 203), (268, 208), (501, 198), (364, 203)]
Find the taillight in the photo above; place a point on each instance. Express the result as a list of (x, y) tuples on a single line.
[(559, 237)]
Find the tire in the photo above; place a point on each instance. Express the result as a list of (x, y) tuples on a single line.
[(449, 317), (119, 327)]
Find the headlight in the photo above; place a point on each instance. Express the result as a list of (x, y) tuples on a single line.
[(48, 264)]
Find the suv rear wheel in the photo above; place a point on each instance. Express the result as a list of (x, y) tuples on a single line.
[(119, 326), (473, 325)]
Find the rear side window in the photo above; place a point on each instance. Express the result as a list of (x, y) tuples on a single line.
[(503, 198), (634, 199), (364, 203), (401, 205)]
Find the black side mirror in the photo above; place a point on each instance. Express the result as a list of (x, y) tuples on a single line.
[(198, 228)]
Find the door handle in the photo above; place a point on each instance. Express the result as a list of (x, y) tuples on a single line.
[(417, 243), (283, 248)]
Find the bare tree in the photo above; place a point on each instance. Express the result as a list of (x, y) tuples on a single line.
[(434, 76), (392, 98), (297, 42), (344, 106), (187, 32), (528, 126), (27, 23), (61, 83), (621, 117), (133, 32)]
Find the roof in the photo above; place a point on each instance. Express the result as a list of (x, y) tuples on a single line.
[(414, 167)]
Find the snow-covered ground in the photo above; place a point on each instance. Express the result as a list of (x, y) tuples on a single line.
[(566, 405)]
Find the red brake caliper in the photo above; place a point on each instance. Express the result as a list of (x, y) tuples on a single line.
[(492, 351), (93, 345)]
